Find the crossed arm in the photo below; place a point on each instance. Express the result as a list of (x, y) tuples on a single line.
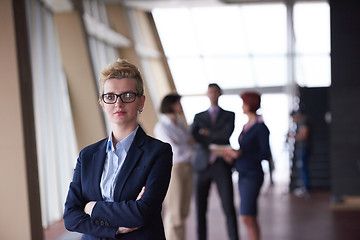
[(110, 218), (90, 205)]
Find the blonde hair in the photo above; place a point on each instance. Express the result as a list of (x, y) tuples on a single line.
[(119, 70)]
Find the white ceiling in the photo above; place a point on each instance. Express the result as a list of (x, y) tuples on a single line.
[(67, 5), (151, 4)]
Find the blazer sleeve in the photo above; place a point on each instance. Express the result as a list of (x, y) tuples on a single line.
[(199, 123), (75, 219), (263, 141), (258, 147), (132, 213), (219, 133)]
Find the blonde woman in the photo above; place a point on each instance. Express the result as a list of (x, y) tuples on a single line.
[(120, 182)]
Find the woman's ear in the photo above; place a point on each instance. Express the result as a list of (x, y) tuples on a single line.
[(142, 102), (101, 103)]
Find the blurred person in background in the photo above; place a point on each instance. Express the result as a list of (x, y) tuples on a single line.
[(213, 126), (254, 147), (120, 182), (301, 135), (171, 129)]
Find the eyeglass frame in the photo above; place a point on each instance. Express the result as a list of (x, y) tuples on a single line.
[(119, 96)]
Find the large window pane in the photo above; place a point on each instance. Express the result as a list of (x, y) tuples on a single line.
[(55, 133), (222, 35), (176, 31), (312, 27), (270, 71), (230, 72), (242, 47), (265, 28), (313, 71), (312, 34), (189, 74)]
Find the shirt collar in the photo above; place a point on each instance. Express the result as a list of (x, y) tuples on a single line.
[(214, 109), (126, 142)]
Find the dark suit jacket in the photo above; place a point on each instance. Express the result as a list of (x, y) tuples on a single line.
[(148, 163), (220, 133), (255, 147)]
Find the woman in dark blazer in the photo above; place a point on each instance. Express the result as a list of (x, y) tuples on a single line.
[(120, 182), (254, 147)]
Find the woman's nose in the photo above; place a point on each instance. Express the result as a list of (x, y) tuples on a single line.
[(118, 103)]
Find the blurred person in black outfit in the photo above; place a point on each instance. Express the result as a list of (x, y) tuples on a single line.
[(213, 126)]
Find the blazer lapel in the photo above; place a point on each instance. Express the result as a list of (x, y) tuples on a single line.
[(207, 118), (98, 166), (219, 117), (133, 156)]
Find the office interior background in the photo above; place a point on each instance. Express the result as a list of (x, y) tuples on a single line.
[(296, 53)]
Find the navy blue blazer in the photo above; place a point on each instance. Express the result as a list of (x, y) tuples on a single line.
[(148, 163), (220, 133), (255, 147)]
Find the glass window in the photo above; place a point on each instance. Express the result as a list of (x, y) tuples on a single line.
[(219, 32), (270, 71), (176, 31), (55, 132), (234, 46), (230, 72), (312, 34), (189, 74), (265, 28), (313, 70), (312, 27)]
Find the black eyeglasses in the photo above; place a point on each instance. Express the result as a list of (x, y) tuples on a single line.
[(127, 97)]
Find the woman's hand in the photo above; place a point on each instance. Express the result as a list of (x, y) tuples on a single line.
[(122, 230), (141, 193), (204, 131), (89, 207), (230, 154)]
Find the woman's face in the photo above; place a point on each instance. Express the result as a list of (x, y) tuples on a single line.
[(121, 113), (245, 108), (177, 107)]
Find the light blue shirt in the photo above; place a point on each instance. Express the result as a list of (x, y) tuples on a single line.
[(113, 163)]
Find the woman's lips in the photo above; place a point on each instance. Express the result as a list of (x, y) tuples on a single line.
[(119, 113)]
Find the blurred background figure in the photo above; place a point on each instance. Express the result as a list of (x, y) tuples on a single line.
[(213, 126), (171, 128), (254, 147), (301, 135)]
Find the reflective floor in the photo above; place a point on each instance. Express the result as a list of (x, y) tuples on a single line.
[(282, 216), (285, 216)]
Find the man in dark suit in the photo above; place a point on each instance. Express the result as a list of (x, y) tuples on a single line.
[(213, 126)]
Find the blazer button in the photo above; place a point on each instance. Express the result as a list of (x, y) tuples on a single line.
[(97, 222), (107, 224), (102, 223)]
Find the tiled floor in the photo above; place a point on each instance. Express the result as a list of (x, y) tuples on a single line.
[(282, 216)]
